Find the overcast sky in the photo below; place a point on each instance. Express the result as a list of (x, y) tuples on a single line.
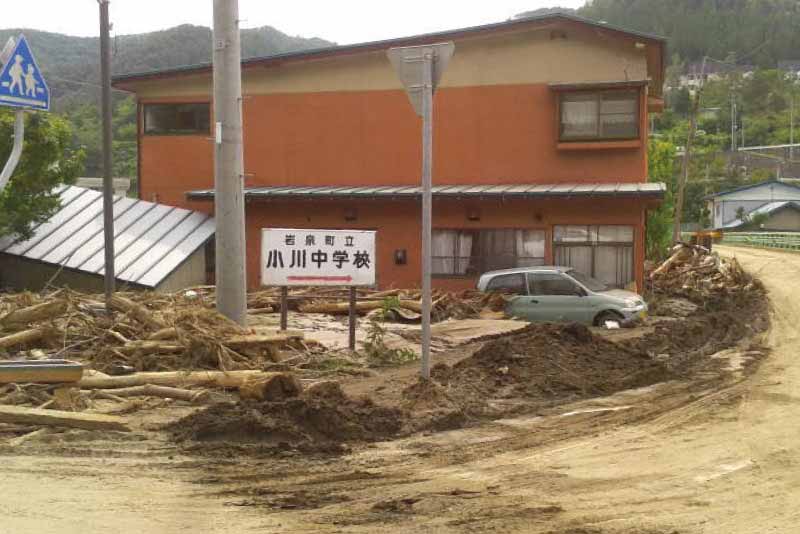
[(342, 21)]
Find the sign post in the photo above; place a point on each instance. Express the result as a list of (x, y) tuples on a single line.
[(420, 69), (303, 257), (22, 86)]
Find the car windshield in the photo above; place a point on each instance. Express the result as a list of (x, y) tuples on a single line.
[(590, 283)]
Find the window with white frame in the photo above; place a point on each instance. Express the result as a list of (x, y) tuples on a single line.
[(604, 252), (596, 116), (472, 252), (177, 119)]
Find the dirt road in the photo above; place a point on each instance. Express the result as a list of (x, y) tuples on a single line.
[(667, 459)]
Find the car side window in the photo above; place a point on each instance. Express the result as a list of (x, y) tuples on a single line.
[(547, 284), (513, 284)]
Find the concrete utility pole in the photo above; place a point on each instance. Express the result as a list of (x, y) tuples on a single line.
[(427, 206), (108, 180), (791, 127), (229, 163), (733, 122)]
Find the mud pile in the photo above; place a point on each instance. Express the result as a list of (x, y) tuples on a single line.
[(544, 364), (318, 419)]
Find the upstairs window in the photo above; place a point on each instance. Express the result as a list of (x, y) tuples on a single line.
[(177, 119), (597, 116)]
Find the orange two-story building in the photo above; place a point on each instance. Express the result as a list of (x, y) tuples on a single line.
[(540, 148)]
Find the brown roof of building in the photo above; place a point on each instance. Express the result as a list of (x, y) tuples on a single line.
[(655, 61)]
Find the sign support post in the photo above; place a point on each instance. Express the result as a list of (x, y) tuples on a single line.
[(353, 318), (16, 151), (22, 86), (284, 307), (420, 68)]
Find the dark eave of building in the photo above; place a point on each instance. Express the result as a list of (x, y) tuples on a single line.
[(320, 53), (649, 190)]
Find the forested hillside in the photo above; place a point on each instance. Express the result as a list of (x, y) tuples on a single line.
[(72, 64), (760, 31), (72, 68)]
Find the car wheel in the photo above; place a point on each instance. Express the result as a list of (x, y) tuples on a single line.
[(608, 315)]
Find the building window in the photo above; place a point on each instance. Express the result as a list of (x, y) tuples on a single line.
[(177, 119), (511, 284), (599, 115), (473, 252), (603, 252)]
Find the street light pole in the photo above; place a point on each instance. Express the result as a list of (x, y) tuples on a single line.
[(108, 181), (228, 163)]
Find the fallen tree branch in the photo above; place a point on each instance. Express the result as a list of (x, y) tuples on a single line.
[(164, 392)]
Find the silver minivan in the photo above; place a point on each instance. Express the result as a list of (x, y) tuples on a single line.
[(556, 294)]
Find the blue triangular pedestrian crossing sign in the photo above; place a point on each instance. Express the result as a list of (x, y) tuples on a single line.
[(21, 82)]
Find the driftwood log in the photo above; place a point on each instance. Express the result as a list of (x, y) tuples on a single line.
[(221, 379), (341, 308), (38, 417), (137, 311), (32, 314), (24, 337), (164, 392)]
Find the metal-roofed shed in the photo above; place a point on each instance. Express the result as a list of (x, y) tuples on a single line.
[(156, 247)]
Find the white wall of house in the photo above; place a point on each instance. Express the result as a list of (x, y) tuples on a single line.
[(725, 206)]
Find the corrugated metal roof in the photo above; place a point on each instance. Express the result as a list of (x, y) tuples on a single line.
[(649, 189), (150, 240), (766, 209)]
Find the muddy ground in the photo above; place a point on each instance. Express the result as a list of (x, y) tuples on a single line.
[(391, 451)]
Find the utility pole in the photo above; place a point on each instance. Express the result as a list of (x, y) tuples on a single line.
[(733, 122), (427, 206), (687, 155), (791, 127), (108, 180), (229, 163)]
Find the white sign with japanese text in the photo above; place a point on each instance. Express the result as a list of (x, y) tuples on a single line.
[(296, 257)]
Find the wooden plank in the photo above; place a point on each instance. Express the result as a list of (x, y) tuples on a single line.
[(86, 421)]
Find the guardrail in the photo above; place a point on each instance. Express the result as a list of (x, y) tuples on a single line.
[(780, 240)]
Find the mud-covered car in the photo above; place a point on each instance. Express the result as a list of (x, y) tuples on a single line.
[(558, 294)]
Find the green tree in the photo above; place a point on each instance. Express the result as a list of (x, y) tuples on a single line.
[(47, 161), (661, 168)]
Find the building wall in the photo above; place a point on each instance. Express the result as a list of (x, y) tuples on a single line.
[(398, 225), (191, 272), (21, 274), (751, 199), (347, 120), (571, 53), (785, 220), (728, 209)]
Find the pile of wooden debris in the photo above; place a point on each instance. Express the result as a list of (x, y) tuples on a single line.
[(145, 331), (695, 273)]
